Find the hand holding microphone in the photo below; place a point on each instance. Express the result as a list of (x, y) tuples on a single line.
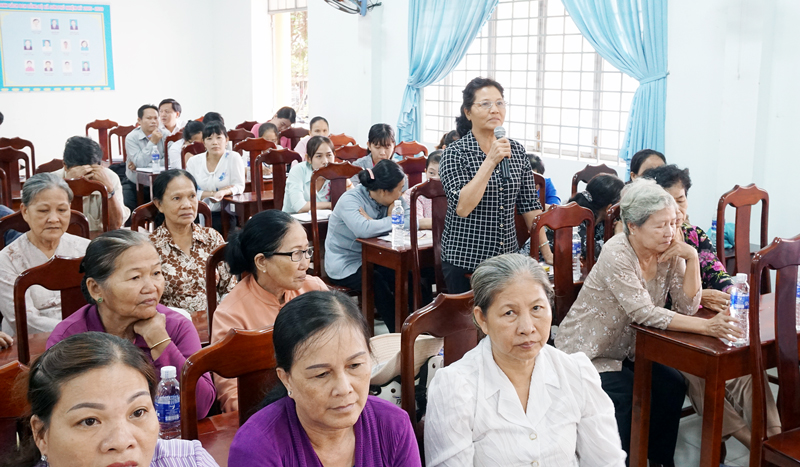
[(504, 151)]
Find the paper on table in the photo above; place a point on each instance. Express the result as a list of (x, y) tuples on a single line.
[(425, 238), (322, 214)]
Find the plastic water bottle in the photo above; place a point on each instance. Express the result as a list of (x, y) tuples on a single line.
[(712, 233), (797, 306), (168, 404), (156, 162), (576, 255), (247, 169), (740, 309), (397, 224)]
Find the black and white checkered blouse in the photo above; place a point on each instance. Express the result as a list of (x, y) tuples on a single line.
[(489, 229)]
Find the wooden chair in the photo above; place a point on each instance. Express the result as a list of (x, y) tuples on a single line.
[(20, 144), (561, 219), (177, 138), (9, 161), (519, 221), (279, 159), (434, 191), (350, 153), (410, 149), (742, 198), (254, 147), (341, 140), (295, 134), (612, 215), (51, 166), (246, 125), (413, 167), (255, 373), (212, 262), (13, 405), (337, 173), (5, 189), (588, 173), (193, 149), (121, 132), (82, 187), (144, 215), (78, 225), (62, 274), (449, 317), (782, 256), (102, 127), (238, 135)]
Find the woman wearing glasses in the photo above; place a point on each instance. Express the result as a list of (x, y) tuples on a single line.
[(273, 250), (481, 202)]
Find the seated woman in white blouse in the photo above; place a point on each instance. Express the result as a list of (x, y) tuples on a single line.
[(298, 184), (513, 399), (218, 171)]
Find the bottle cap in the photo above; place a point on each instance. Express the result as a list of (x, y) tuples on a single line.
[(741, 278), (168, 372)]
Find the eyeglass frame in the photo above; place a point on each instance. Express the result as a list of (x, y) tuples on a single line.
[(500, 104), (308, 253)]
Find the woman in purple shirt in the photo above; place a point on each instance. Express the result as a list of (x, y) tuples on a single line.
[(91, 398), (320, 414), (123, 284)]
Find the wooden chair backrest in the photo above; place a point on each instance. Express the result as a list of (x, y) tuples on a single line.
[(82, 187), (434, 191), (177, 138), (350, 153), (246, 125), (238, 135), (295, 134), (254, 147), (742, 198), (279, 159), (51, 166), (62, 274), (255, 373), (782, 256), (561, 219), (102, 127), (13, 405), (410, 149), (9, 161), (519, 221), (144, 215), (341, 140), (588, 173), (612, 215), (193, 149), (121, 132), (413, 167), (449, 317), (78, 225), (20, 144), (337, 173), (5, 189), (212, 262)]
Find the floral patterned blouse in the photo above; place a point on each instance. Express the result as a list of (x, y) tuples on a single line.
[(185, 278), (712, 271), (614, 296)]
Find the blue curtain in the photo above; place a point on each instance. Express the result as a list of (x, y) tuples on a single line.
[(440, 32), (632, 36)]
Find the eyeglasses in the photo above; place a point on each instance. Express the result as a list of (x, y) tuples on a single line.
[(298, 255), (487, 105)]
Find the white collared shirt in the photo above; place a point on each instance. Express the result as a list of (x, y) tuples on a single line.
[(229, 172), (474, 415)]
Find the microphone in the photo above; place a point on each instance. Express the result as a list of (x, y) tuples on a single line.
[(505, 172)]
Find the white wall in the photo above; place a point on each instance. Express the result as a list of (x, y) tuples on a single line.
[(192, 51)]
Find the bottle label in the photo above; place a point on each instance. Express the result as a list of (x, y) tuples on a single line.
[(576, 248), (397, 219), (740, 302), (168, 408)]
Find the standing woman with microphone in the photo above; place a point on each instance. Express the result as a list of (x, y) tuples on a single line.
[(486, 178)]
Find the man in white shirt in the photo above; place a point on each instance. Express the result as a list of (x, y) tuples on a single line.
[(169, 114), (141, 144)]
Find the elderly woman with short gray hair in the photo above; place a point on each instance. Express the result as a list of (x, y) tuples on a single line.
[(45, 207), (123, 284), (635, 272)]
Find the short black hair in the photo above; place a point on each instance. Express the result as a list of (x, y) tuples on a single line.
[(192, 128), (213, 117), (434, 158), (175, 106), (80, 150), (1, 118), (536, 163), (670, 175), (287, 113), (214, 128), (318, 119), (638, 159), (140, 113), (264, 127)]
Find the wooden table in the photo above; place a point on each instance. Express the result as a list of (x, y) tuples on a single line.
[(144, 178), (380, 252), (36, 344), (703, 356), (216, 433), (244, 206)]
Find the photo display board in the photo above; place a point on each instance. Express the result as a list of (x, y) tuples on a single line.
[(55, 47)]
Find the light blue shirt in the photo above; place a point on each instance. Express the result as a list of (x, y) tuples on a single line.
[(298, 188), (140, 151), (346, 225)]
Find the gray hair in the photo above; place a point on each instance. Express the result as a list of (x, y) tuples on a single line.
[(100, 260), (41, 182), (494, 274), (641, 199)]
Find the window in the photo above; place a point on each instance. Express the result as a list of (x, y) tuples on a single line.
[(290, 55), (564, 99)]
